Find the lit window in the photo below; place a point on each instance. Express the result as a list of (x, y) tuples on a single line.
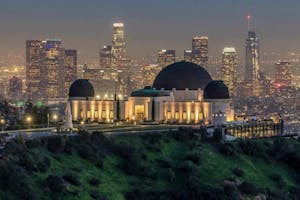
[(111, 114), (169, 116), (177, 115), (192, 116), (184, 116)]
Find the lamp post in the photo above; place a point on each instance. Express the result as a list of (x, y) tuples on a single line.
[(29, 120), (2, 121), (48, 119), (54, 118)]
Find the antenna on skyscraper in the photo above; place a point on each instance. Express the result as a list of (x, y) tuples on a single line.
[(248, 17)]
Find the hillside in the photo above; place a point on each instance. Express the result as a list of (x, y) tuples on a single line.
[(175, 165)]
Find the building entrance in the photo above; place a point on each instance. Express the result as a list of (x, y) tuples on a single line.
[(139, 111)]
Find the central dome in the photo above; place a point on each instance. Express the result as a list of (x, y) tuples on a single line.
[(182, 75), (81, 88)]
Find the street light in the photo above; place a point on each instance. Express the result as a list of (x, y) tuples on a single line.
[(28, 119), (2, 121), (55, 117)]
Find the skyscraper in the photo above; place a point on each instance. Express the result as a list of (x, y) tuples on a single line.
[(252, 62), (166, 57), (283, 76), (187, 55), (200, 50), (34, 58), (70, 71), (118, 43), (52, 71), (106, 57), (193, 56), (149, 73), (15, 88), (229, 68)]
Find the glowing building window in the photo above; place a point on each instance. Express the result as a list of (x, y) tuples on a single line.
[(169, 116), (88, 114), (96, 114), (192, 116), (184, 117), (81, 114), (111, 114), (103, 114), (200, 116), (177, 115)]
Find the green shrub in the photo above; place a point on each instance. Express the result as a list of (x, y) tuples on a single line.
[(96, 195), (238, 172), (248, 188), (170, 175), (55, 144), (227, 148), (99, 164), (27, 162), (193, 156), (33, 143), (55, 184), (86, 152), (277, 178), (252, 148), (164, 162), (189, 167), (72, 178), (94, 182), (13, 179), (44, 164)]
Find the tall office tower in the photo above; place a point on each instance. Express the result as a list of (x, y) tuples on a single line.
[(187, 55), (34, 58), (52, 71), (106, 56), (15, 88), (118, 43), (252, 62), (149, 72), (200, 50), (70, 70), (193, 56), (229, 69), (283, 76), (166, 57)]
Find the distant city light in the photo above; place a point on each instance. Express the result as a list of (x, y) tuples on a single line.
[(118, 25)]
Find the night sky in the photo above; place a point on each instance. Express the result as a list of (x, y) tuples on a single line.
[(86, 25)]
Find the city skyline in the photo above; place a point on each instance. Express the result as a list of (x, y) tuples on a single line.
[(88, 26)]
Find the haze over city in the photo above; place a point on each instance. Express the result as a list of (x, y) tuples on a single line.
[(150, 24)]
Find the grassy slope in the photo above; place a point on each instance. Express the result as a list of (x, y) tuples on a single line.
[(214, 168)]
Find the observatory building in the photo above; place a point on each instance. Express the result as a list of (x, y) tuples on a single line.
[(182, 92)]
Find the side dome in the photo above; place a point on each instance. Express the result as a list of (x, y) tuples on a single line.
[(182, 75), (216, 90), (81, 88)]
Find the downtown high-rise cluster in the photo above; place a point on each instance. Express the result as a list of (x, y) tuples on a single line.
[(50, 69), (198, 54)]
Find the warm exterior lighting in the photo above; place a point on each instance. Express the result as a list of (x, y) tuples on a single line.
[(28, 119), (55, 117)]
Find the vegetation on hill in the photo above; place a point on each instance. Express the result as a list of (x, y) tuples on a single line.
[(175, 165)]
